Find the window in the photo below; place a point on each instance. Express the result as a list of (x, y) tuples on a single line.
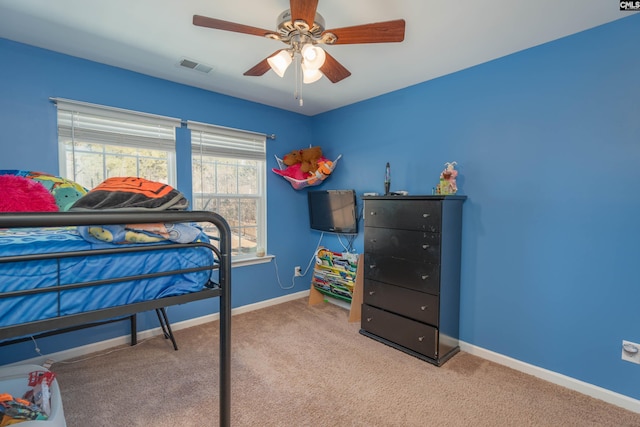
[(97, 142), (229, 177)]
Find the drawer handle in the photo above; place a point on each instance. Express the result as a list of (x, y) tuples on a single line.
[(425, 246), (372, 240), (369, 319), (424, 307), (372, 292), (425, 276), (420, 339), (373, 213), (426, 215), (372, 266)]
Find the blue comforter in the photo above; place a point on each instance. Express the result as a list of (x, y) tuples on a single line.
[(48, 273)]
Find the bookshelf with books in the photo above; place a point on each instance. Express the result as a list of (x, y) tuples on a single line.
[(336, 275)]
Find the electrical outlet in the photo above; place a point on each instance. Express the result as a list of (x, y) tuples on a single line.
[(631, 352), (297, 271)]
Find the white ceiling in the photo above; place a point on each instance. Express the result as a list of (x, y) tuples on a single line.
[(152, 36)]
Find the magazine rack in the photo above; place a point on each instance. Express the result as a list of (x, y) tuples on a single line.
[(327, 277)]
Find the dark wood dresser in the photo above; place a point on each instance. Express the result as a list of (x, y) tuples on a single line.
[(412, 248)]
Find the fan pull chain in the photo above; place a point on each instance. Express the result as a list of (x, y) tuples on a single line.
[(298, 90)]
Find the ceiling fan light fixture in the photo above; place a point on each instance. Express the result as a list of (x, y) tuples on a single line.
[(310, 75), (280, 62), (313, 56), (302, 28)]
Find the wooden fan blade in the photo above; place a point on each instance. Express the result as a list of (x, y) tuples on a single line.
[(261, 67), (303, 10), (380, 32), (218, 24), (334, 70)]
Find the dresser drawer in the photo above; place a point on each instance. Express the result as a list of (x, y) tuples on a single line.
[(408, 333), (407, 302), (420, 276), (407, 244), (407, 214)]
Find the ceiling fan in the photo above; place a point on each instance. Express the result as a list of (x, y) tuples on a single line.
[(303, 29)]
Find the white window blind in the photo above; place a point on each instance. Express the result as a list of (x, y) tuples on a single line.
[(107, 125), (210, 140), (229, 177)]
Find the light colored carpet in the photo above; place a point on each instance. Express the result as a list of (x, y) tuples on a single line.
[(295, 365)]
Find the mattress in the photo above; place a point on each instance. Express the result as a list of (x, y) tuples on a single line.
[(71, 270)]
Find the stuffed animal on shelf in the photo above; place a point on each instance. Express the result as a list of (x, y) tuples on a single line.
[(307, 157), (298, 179), (448, 176)]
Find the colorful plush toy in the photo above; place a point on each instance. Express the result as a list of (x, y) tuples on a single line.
[(21, 194), (292, 171), (325, 167), (298, 179), (65, 191), (447, 183), (292, 158), (307, 157)]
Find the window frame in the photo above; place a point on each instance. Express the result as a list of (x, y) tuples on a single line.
[(227, 143), (114, 127)]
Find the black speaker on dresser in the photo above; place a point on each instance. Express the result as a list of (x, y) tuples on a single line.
[(412, 248)]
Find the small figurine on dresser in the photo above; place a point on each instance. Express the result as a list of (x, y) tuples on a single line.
[(447, 183)]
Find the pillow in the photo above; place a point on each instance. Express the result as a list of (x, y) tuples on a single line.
[(20, 194), (131, 193), (64, 191)]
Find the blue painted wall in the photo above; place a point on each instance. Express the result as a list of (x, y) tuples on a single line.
[(548, 146), (29, 76), (547, 143)]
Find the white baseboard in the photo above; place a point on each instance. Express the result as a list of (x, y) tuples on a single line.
[(84, 350), (608, 396)]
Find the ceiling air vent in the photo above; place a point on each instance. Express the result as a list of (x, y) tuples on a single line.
[(187, 63)]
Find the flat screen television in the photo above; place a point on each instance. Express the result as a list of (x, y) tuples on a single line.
[(333, 211)]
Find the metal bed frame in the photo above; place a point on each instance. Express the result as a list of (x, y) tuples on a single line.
[(222, 289)]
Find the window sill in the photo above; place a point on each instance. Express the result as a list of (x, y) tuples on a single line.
[(251, 261)]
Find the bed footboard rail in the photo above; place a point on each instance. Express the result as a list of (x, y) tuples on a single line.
[(222, 290)]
